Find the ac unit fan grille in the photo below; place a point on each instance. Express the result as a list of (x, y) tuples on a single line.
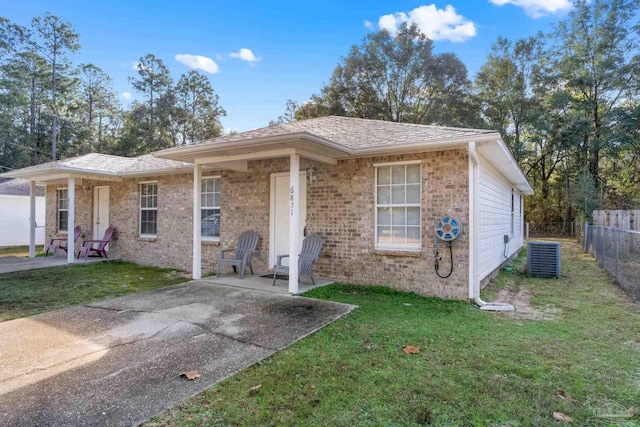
[(543, 259)]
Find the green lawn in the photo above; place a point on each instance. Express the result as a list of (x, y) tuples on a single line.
[(574, 348), (31, 292), (19, 251)]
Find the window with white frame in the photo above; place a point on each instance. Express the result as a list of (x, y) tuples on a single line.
[(148, 209), (63, 209), (512, 210), (398, 201), (210, 208), (520, 213)]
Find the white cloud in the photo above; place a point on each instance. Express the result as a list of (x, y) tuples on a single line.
[(126, 95), (368, 24), (538, 8), (198, 62), (245, 55), (437, 24)]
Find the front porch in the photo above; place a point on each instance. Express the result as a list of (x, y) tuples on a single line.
[(258, 282)]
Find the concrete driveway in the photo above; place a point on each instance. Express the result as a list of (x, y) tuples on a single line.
[(117, 362)]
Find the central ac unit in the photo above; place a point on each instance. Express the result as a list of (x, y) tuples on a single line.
[(543, 259)]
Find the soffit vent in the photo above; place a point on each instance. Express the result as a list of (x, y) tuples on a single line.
[(543, 259)]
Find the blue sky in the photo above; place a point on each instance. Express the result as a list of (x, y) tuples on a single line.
[(258, 54)]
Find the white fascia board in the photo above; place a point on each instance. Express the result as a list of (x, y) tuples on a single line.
[(47, 174), (177, 152), (499, 156)]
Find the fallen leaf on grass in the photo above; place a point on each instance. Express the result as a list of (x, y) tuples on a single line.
[(411, 349), (253, 390), (562, 417), (192, 375), (562, 394)]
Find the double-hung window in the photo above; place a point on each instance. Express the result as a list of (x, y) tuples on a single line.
[(148, 209), (63, 209), (210, 206), (398, 201), (513, 211)]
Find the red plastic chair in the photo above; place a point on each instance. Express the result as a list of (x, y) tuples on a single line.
[(61, 242), (99, 248)]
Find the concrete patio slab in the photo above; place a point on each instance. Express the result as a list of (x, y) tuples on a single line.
[(10, 264), (257, 282), (118, 362)]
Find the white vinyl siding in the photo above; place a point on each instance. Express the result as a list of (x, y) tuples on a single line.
[(148, 209), (496, 219), (398, 207), (63, 210), (210, 206), (14, 220)]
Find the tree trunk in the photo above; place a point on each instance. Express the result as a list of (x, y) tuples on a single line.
[(54, 122), (567, 188), (99, 132), (32, 122)]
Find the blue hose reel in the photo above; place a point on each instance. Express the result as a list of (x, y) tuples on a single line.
[(448, 229)]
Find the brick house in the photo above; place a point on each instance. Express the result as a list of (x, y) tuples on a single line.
[(373, 190)]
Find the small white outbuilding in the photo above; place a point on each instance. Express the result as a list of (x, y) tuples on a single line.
[(14, 213)]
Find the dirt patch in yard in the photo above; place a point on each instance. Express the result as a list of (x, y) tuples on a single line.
[(524, 310)]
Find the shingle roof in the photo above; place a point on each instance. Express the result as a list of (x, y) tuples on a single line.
[(149, 163), (17, 187), (107, 164), (354, 133)]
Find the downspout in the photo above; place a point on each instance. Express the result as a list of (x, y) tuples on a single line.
[(474, 232), (474, 180)]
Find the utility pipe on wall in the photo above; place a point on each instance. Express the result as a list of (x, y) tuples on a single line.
[(474, 180)]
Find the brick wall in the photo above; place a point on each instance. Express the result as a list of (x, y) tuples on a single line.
[(340, 207), (172, 246)]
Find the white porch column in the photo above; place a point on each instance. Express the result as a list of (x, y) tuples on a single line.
[(32, 219), (294, 220), (197, 219), (71, 220)]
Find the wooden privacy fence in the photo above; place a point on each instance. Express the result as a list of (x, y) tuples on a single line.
[(626, 220)]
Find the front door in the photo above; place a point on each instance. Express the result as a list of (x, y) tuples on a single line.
[(280, 214), (100, 211)]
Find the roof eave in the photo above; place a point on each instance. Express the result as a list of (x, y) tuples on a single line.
[(41, 174), (177, 153), (434, 144), (519, 179)]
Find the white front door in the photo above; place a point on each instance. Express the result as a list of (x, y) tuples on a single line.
[(100, 211), (280, 214)]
